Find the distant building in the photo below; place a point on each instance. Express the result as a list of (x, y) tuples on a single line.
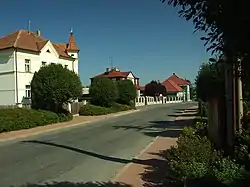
[(177, 86), (115, 74), (22, 53)]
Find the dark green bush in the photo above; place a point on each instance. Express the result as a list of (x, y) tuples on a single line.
[(19, 118), (50, 91), (194, 161), (103, 92), (93, 110), (126, 92)]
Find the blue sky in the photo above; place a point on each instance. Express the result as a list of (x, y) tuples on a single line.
[(144, 36)]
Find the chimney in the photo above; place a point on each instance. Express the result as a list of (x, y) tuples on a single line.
[(38, 33), (107, 70), (173, 73)]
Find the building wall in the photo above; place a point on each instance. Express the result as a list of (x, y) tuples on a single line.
[(7, 77), (8, 92)]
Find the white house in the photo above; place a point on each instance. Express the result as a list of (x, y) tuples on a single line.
[(22, 53)]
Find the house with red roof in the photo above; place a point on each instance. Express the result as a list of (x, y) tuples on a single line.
[(177, 86), (22, 53), (115, 74)]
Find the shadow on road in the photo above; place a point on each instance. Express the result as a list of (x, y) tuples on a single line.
[(146, 162), (70, 184), (170, 129)]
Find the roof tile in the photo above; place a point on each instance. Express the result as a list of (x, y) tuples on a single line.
[(171, 86), (178, 80)]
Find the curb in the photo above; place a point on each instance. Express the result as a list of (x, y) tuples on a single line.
[(67, 126), (124, 168)]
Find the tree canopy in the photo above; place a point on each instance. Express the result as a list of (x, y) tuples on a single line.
[(54, 85), (126, 92), (155, 88), (226, 23), (210, 81), (103, 92)]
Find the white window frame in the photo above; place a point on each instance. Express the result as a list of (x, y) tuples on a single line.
[(27, 65), (27, 91)]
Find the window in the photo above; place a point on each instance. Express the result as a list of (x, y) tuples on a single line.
[(48, 51), (66, 66), (27, 65), (72, 55), (28, 91), (44, 63), (52, 63)]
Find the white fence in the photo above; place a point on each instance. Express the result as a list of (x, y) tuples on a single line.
[(146, 100)]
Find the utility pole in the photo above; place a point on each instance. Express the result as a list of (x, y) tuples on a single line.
[(239, 96), (29, 23)]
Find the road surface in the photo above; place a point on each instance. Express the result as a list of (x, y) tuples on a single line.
[(93, 152)]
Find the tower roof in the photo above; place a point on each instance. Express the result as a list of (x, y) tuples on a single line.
[(72, 43)]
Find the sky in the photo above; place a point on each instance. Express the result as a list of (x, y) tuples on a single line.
[(142, 36)]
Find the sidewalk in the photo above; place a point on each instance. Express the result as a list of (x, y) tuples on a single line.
[(79, 120), (153, 168)]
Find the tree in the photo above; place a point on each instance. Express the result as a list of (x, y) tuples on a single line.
[(210, 81), (154, 89), (103, 92), (127, 92), (54, 85), (226, 24)]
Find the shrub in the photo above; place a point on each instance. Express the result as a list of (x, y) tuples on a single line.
[(93, 110), (54, 85), (19, 118), (191, 158), (126, 92), (103, 92)]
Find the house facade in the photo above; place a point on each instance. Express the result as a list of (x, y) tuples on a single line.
[(22, 53), (178, 87), (115, 74)]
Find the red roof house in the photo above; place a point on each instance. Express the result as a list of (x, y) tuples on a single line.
[(116, 75), (174, 84)]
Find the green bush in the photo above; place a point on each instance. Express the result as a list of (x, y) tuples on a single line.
[(54, 85), (103, 92), (93, 110), (126, 92), (194, 161), (19, 118)]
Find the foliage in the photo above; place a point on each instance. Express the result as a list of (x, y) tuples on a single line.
[(19, 118), (155, 88), (54, 85), (126, 92), (194, 160), (103, 92), (225, 23), (93, 110), (210, 81)]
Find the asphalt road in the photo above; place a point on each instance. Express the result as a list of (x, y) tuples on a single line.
[(93, 152)]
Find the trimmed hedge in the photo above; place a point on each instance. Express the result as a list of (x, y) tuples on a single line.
[(93, 110), (20, 118)]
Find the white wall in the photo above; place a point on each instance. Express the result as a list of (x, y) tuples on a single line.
[(7, 77), (131, 77), (8, 69)]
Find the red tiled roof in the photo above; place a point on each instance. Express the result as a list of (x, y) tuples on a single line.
[(171, 86), (178, 80), (115, 74), (72, 44), (26, 40)]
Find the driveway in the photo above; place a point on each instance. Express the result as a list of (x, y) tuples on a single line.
[(95, 152)]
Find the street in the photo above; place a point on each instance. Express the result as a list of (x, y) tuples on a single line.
[(95, 152)]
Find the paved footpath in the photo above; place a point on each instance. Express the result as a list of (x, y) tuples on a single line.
[(143, 174)]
